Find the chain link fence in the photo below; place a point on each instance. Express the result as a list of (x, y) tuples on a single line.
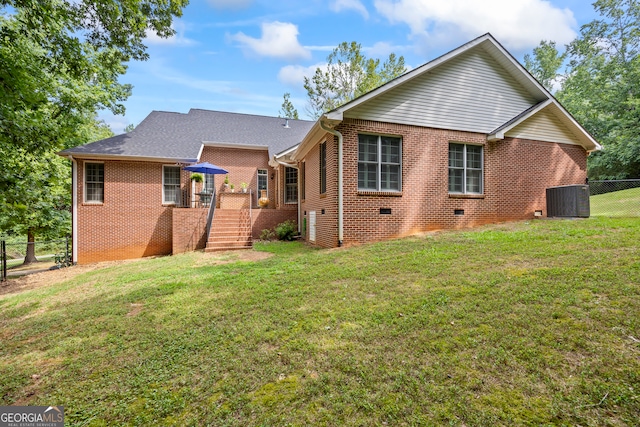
[(620, 198), (52, 253)]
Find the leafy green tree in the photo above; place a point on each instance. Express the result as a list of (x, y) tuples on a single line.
[(602, 88), (60, 61), (288, 110), (349, 74), (601, 84), (36, 189), (544, 64)]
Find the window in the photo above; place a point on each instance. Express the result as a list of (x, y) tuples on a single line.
[(208, 185), (303, 178), (262, 180), (465, 169), (290, 185), (94, 182), (379, 163), (170, 184), (323, 168)]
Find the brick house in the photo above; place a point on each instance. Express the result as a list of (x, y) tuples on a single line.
[(466, 139), (132, 198)]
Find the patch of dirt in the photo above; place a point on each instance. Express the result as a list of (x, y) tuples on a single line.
[(136, 308)]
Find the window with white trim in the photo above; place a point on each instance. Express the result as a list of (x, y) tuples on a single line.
[(290, 185), (323, 168), (465, 168), (170, 184), (379, 163), (303, 178), (262, 180), (94, 182)]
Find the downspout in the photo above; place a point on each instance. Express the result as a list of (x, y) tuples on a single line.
[(74, 210), (299, 192), (340, 190)]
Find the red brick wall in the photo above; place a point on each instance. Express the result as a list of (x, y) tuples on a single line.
[(327, 222), (516, 174), (268, 218), (189, 229), (132, 222), (243, 166)]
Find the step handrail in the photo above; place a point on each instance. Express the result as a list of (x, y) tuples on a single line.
[(212, 208)]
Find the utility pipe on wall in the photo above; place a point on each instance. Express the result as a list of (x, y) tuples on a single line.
[(340, 191)]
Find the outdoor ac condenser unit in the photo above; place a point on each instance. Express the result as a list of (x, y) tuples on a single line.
[(568, 201)]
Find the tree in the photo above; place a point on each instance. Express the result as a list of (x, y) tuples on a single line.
[(288, 110), (348, 74), (36, 189), (602, 88), (60, 61), (601, 84), (545, 64), (129, 128)]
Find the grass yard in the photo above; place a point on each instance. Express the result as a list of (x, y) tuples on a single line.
[(624, 203), (532, 323)]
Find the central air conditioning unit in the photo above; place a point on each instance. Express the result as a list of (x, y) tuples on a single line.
[(571, 201)]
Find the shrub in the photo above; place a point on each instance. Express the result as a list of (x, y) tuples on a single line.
[(286, 230), (267, 234)]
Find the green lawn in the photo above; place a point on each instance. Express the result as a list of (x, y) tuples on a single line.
[(624, 203), (533, 323)]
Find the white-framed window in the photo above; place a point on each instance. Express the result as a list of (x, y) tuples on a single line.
[(379, 163), (290, 185), (263, 181), (303, 178), (170, 184), (466, 168), (323, 167), (209, 183), (94, 182)]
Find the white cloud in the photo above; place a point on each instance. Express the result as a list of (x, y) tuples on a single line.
[(178, 39), (519, 25), (293, 75), (356, 5), (230, 4), (279, 40), (382, 50)]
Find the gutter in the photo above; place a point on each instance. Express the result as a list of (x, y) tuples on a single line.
[(74, 210), (340, 174)]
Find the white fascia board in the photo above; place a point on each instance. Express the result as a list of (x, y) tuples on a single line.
[(230, 145), (90, 156), (287, 151), (200, 151), (583, 131), (308, 142)]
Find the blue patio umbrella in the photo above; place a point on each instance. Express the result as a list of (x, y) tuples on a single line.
[(206, 167)]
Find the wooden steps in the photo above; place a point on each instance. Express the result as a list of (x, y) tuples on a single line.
[(230, 230)]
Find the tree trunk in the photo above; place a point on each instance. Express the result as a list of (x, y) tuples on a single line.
[(31, 249)]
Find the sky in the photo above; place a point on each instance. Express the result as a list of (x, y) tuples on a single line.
[(243, 55)]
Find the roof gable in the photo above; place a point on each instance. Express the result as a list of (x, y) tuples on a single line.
[(470, 92), (477, 87)]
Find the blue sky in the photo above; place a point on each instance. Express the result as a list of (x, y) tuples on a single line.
[(243, 55)]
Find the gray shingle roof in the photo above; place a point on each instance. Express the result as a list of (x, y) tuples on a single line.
[(179, 136)]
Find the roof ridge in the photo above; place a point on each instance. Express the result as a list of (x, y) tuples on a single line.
[(246, 114)]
